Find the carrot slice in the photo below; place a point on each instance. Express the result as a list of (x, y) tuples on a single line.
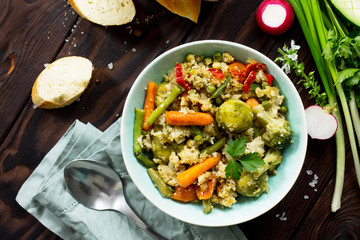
[(252, 102), (207, 192), (187, 177), (184, 194), (149, 105), (186, 119)]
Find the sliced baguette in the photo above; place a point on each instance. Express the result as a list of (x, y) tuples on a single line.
[(105, 12), (62, 82)]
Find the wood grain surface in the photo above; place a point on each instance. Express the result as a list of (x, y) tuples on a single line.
[(35, 32)]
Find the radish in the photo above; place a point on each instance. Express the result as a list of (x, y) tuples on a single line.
[(274, 16), (321, 124)]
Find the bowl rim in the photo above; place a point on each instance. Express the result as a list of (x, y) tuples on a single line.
[(127, 155)]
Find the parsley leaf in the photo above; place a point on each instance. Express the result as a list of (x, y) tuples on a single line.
[(236, 148), (251, 161), (233, 169)]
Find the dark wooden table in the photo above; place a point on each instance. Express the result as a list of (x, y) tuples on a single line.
[(35, 32)]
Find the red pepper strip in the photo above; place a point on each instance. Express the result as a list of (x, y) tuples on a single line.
[(270, 78), (179, 77), (256, 66), (217, 73), (249, 80)]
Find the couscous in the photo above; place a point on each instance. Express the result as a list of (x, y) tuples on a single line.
[(212, 130)]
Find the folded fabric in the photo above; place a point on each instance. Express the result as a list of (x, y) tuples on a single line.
[(45, 196)]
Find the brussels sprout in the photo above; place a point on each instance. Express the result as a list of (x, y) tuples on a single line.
[(249, 186), (234, 116)]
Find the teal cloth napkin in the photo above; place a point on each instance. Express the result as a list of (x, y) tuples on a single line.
[(45, 196)]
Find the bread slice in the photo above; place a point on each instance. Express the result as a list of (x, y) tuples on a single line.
[(105, 12), (62, 82), (185, 8)]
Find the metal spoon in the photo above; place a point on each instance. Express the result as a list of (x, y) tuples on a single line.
[(97, 186)]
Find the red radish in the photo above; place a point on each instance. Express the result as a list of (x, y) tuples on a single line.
[(321, 124), (274, 16)]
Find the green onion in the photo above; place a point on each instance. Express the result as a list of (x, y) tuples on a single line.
[(315, 23)]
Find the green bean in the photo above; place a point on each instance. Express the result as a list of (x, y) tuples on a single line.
[(207, 205), (146, 161), (139, 118), (215, 147), (164, 105), (220, 89), (159, 183), (197, 130), (217, 131)]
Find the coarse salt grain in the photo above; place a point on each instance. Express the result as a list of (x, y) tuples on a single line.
[(110, 65), (282, 216), (306, 197), (46, 65), (314, 181), (309, 172)]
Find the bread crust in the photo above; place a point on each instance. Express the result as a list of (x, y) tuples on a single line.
[(126, 16), (40, 100)]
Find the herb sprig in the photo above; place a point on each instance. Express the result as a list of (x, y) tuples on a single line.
[(251, 161), (290, 61)]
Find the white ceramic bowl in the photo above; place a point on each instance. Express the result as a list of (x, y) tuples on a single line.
[(246, 208)]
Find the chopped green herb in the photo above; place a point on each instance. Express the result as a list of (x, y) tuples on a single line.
[(251, 161), (233, 169), (236, 148)]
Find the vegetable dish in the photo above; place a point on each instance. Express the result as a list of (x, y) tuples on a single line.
[(212, 130)]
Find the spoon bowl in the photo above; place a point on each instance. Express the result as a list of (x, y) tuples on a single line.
[(99, 187)]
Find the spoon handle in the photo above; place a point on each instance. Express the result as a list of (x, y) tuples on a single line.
[(127, 211)]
